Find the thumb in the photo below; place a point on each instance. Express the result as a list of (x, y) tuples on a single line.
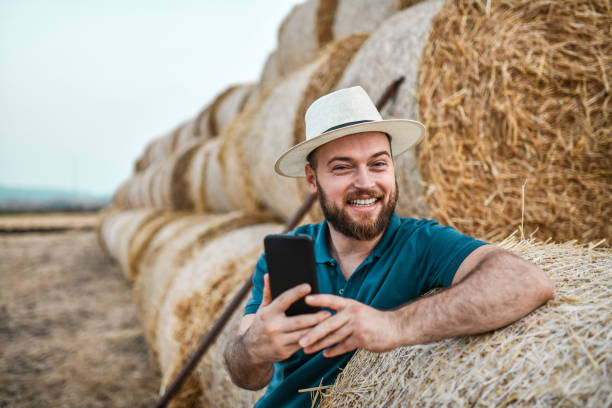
[(267, 294)]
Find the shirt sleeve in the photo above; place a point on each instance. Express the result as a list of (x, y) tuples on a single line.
[(444, 253), (258, 283)]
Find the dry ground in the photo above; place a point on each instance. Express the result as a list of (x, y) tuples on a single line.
[(69, 335)]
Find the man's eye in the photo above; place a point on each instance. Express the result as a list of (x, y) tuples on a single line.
[(339, 168), (380, 164)]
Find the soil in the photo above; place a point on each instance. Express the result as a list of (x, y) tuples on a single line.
[(69, 335)]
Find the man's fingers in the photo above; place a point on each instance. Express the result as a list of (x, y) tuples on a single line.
[(329, 301), (305, 321), (288, 297), (324, 329), (343, 347), (267, 295), (333, 338)]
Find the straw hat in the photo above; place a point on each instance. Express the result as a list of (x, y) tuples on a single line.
[(341, 113)]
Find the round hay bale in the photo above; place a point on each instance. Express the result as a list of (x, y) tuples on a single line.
[(270, 135), (180, 196), (196, 174), (230, 105), (558, 355), (361, 16), (156, 186), (198, 293), (119, 226), (120, 197), (172, 246), (206, 179), (142, 238), (523, 96), (270, 74), (399, 41), (233, 160), (201, 124), (186, 134), (125, 235), (306, 28), (279, 124), (217, 387)]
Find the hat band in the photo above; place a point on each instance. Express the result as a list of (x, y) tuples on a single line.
[(347, 124)]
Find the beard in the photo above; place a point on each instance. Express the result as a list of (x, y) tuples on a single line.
[(366, 229)]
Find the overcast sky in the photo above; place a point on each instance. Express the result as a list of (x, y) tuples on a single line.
[(84, 84)]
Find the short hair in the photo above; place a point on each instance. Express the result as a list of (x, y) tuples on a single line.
[(312, 157)]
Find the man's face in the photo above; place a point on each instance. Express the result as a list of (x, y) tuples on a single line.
[(355, 181)]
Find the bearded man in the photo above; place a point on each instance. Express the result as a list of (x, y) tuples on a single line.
[(372, 266)]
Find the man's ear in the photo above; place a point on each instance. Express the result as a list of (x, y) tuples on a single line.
[(311, 179)]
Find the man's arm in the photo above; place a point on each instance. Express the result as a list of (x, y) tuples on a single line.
[(491, 289), (268, 336)]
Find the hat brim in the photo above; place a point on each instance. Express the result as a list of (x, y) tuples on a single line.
[(404, 134)]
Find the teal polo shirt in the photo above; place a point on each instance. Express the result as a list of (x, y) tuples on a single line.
[(412, 257)]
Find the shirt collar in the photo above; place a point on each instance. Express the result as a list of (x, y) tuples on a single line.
[(320, 245), (322, 251)]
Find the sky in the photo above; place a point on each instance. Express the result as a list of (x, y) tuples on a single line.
[(84, 84)]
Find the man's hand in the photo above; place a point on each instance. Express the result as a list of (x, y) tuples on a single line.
[(272, 335), (355, 325), (267, 337)]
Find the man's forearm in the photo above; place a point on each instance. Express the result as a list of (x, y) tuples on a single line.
[(243, 371), (498, 291)]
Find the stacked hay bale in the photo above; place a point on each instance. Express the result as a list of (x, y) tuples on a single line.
[(271, 125), (199, 292), (218, 388), (399, 42), (491, 109), (559, 355), (518, 93)]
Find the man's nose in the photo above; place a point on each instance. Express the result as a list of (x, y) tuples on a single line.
[(363, 178)]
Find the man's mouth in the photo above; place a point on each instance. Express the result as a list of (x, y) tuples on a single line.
[(363, 202)]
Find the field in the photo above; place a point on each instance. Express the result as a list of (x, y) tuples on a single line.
[(69, 335)]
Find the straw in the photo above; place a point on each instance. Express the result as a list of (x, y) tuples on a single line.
[(558, 355), (513, 91)]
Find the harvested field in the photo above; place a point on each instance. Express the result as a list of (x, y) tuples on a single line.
[(48, 222), (69, 335)]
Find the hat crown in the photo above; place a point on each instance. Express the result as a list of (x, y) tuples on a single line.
[(338, 109)]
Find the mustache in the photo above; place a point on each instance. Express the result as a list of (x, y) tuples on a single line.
[(361, 193)]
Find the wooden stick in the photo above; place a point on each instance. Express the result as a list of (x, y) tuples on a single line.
[(214, 331)]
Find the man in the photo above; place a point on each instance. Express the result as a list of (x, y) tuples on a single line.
[(372, 266)]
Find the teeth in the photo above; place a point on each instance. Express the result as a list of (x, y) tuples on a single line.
[(369, 201)]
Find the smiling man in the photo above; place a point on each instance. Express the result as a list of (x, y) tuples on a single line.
[(372, 266)]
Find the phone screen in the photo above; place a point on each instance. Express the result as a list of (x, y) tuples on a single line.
[(290, 260)]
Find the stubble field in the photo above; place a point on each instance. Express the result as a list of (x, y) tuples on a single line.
[(69, 335)]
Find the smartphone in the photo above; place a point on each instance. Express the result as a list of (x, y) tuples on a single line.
[(291, 261)]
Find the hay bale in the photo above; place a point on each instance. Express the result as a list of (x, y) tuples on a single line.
[(201, 124), (306, 28), (198, 294), (233, 160), (231, 105), (187, 133), (206, 180), (279, 124), (361, 16), (558, 355), (118, 228), (271, 73), (523, 96), (217, 387), (168, 250), (142, 238), (399, 41)]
